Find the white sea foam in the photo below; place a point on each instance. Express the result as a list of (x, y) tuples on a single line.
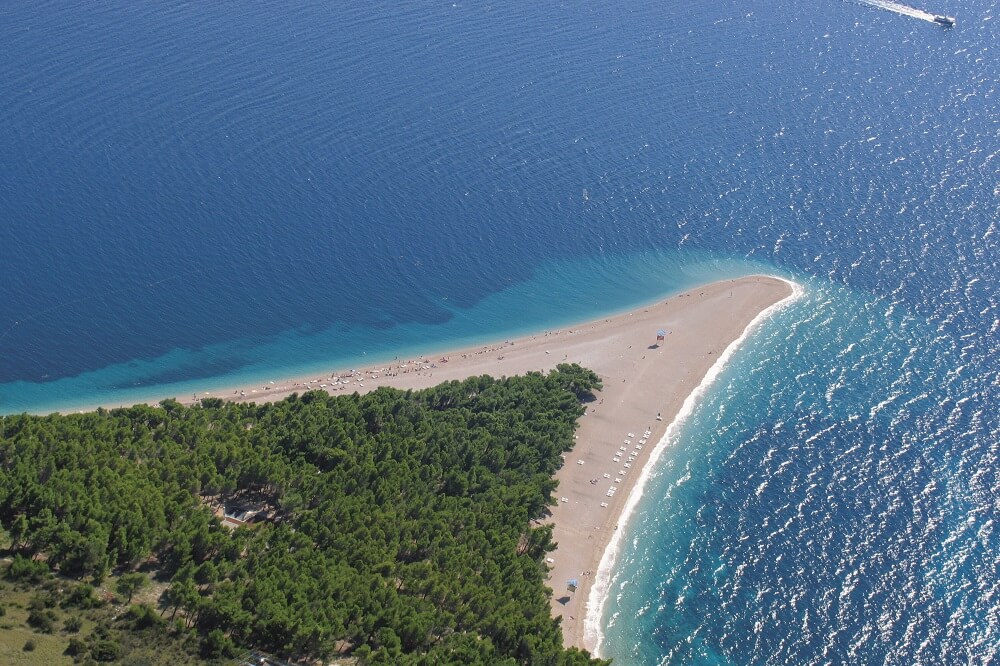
[(593, 634)]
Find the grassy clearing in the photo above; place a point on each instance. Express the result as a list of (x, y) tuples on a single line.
[(15, 632)]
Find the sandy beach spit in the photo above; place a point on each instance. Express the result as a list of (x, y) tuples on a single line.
[(646, 382)]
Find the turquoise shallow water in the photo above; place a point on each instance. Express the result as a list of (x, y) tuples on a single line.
[(195, 196), (556, 294)]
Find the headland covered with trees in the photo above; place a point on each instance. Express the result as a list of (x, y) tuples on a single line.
[(391, 527)]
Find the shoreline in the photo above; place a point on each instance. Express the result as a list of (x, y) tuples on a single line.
[(592, 635), (642, 378), (646, 386)]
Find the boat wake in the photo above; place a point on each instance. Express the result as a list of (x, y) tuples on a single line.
[(900, 8)]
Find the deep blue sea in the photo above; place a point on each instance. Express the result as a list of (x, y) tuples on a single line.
[(200, 195)]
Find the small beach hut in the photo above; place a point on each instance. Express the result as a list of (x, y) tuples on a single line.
[(661, 335), (572, 584)]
